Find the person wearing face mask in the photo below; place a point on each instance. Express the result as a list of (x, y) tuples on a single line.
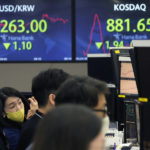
[(86, 91), (14, 110)]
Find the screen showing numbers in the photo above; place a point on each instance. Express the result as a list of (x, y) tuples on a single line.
[(101, 24), (43, 30), (38, 30)]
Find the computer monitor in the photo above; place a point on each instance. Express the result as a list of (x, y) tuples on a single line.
[(117, 52), (127, 78), (141, 62), (111, 104), (145, 125), (131, 122), (100, 66), (127, 70), (128, 87)]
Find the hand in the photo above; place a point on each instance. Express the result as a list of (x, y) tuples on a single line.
[(29, 114), (33, 105)]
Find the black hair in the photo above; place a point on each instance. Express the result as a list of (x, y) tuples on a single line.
[(81, 90), (47, 82), (5, 93), (67, 127)]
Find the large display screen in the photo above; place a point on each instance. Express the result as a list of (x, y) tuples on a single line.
[(101, 24), (35, 30)]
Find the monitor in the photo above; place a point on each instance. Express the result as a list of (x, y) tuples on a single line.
[(145, 124), (101, 24), (128, 87), (38, 30), (142, 60), (127, 70), (128, 84), (116, 54), (100, 66)]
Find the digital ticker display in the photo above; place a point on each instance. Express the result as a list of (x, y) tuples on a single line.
[(101, 24), (35, 30)]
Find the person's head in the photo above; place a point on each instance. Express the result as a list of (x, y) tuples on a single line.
[(69, 127), (45, 84), (85, 91), (13, 106)]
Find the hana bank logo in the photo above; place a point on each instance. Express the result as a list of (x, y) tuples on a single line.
[(130, 7)]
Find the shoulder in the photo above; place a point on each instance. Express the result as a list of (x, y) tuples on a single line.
[(27, 132), (31, 122), (30, 125)]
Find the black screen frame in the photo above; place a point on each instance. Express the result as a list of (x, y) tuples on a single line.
[(143, 106), (93, 61)]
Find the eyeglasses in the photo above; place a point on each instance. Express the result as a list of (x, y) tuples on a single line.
[(105, 111)]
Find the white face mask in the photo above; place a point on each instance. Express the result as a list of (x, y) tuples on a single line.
[(105, 126)]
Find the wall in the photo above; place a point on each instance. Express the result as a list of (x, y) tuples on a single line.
[(19, 75)]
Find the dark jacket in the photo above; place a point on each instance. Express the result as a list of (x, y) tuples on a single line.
[(3, 141), (11, 131), (28, 131), (12, 135)]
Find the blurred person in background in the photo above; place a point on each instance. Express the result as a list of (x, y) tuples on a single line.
[(69, 127)]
